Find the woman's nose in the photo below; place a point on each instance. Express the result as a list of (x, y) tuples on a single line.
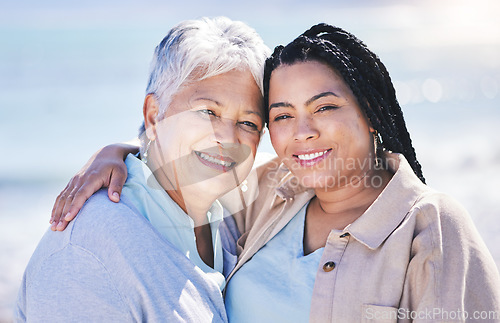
[(305, 129), (225, 131)]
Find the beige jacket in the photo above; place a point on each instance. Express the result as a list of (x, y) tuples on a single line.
[(414, 255)]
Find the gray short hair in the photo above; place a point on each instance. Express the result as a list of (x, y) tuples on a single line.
[(198, 49)]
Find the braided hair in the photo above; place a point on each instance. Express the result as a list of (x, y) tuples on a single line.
[(362, 71)]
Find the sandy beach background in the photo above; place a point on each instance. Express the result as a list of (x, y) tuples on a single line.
[(72, 79)]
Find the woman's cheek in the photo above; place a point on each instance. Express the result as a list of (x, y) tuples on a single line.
[(278, 135), (253, 140)]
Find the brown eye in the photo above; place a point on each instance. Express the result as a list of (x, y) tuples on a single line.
[(207, 112), (282, 117), (248, 125), (326, 108)]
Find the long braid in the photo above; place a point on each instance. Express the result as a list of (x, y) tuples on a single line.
[(362, 71)]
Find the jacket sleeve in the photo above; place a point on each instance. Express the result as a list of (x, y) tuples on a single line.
[(70, 285), (451, 274)]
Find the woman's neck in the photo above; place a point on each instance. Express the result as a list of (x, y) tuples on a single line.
[(343, 205), (198, 213), (196, 206), (336, 208)]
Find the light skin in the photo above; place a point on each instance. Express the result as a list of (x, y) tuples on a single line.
[(321, 134), (205, 142), (233, 103)]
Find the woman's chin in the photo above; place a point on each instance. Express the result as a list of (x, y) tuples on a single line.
[(316, 180), (213, 187), (318, 184)]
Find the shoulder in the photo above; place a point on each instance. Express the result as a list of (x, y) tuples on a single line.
[(98, 211), (105, 228), (100, 229), (100, 217), (443, 211), (440, 218), (270, 170), (57, 278), (444, 228), (449, 254)]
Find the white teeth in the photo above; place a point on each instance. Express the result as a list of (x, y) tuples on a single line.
[(311, 156), (214, 160)]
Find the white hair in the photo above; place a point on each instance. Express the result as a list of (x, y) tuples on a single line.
[(198, 49)]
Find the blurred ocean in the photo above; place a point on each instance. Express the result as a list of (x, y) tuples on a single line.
[(72, 79)]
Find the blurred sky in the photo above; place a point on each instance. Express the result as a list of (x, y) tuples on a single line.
[(71, 72), (73, 75)]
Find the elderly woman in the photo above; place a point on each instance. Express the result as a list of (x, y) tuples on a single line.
[(344, 228), (158, 254)]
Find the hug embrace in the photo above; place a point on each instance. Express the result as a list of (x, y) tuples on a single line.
[(338, 227)]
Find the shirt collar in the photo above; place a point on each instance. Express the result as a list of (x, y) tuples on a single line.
[(168, 218), (386, 212), (391, 206), (140, 174)]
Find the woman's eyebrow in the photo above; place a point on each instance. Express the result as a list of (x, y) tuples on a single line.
[(281, 104), (311, 100), (321, 95), (219, 104), (208, 99), (258, 114)]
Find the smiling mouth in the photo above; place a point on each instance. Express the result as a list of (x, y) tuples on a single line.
[(312, 158), (217, 162)]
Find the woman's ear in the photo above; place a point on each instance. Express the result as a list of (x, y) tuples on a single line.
[(150, 111)]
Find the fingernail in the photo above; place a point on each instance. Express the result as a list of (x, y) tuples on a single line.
[(51, 220), (67, 216), (116, 196), (60, 224), (53, 226)]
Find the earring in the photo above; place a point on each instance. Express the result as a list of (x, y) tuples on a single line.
[(144, 157), (375, 146)]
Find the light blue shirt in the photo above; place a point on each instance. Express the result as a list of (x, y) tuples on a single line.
[(276, 284), (173, 224), (112, 265)]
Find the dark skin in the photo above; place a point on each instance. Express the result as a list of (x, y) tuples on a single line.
[(318, 129), (319, 222), (109, 161)]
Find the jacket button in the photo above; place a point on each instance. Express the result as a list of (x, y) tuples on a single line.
[(329, 266)]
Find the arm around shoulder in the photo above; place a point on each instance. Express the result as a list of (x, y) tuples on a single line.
[(106, 168)]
